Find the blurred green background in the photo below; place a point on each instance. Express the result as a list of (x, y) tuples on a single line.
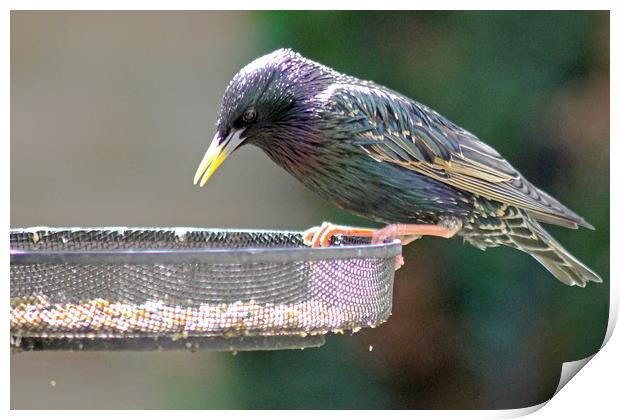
[(112, 111)]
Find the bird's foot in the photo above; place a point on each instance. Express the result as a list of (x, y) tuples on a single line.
[(320, 236)]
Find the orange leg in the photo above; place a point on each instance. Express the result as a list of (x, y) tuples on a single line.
[(320, 236), (444, 229)]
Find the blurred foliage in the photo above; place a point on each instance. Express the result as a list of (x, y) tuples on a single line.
[(503, 325)]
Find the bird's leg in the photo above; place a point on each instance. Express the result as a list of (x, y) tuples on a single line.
[(320, 236), (446, 228)]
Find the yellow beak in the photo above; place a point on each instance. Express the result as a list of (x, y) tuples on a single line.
[(217, 152)]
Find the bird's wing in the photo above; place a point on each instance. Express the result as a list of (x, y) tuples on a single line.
[(392, 128)]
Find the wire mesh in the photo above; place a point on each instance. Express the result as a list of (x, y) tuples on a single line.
[(124, 288)]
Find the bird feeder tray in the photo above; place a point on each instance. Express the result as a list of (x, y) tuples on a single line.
[(192, 288)]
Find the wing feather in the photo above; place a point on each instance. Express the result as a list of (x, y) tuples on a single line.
[(393, 128)]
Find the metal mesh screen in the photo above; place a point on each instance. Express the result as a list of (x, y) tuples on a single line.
[(224, 287)]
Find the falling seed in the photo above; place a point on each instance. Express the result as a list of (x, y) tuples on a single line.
[(53, 383), (370, 348)]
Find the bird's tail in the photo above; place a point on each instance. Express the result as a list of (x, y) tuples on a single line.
[(556, 259), (522, 232)]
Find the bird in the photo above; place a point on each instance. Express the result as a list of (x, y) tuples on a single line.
[(378, 154)]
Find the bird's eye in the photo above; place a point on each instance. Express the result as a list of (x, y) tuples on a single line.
[(249, 115)]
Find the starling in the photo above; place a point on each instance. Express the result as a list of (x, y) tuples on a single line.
[(381, 155)]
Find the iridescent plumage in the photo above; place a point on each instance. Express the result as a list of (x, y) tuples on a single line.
[(381, 155)]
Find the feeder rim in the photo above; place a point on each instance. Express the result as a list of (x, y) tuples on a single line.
[(194, 255)]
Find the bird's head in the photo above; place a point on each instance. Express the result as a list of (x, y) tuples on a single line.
[(267, 102)]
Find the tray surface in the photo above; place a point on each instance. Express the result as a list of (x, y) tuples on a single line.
[(177, 284)]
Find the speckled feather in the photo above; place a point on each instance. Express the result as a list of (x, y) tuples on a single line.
[(381, 155)]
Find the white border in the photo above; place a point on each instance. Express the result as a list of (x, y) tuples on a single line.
[(594, 391)]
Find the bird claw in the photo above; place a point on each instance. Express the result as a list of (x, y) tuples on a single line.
[(318, 236), (399, 262), (381, 235)]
